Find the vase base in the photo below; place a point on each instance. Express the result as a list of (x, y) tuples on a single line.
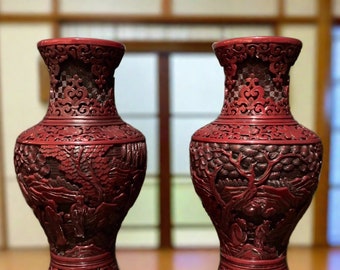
[(233, 263), (105, 261)]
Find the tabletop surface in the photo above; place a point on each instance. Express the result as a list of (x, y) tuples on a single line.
[(299, 258)]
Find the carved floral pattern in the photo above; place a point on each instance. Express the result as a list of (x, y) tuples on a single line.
[(255, 168), (261, 133), (255, 73), (81, 77), (82, 167), (256, 193), (106, 134), (78, 192)]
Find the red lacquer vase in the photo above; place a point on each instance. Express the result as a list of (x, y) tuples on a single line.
[(255, 168), (82, 167)]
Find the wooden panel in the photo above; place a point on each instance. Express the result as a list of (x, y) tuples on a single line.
[(166, 7), (44, 82), (322, 126), (164, 143), (167, 259), (168, 46)]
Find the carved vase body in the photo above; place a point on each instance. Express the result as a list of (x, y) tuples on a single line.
[(81, 168), (255, 168)]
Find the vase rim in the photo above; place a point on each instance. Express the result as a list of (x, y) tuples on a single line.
[(80, 40), (256, 39)]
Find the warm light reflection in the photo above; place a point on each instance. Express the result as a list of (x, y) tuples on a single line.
[(195, 259), (333, 262)]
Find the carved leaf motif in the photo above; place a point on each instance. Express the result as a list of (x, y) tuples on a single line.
[(253, 192), (85, 188)]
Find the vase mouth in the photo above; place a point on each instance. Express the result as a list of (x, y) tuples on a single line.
[(80, 40), (257, 39)]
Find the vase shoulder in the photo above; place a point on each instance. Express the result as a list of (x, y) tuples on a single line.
[(250, 131), (106, 133)]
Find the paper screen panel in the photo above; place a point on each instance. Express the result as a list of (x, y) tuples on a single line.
[(233, 31), (164, 32), (257, 8), (110, 6), (136, 84), (145, 210), (303, 91), (302, 102), (336, 8), (300, 8), (182, 129), (25, 6), (187, 208), (21, 108), (138, 238), (197, 83), (195, 237)]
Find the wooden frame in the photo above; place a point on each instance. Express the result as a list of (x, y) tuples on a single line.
[(3, 230), (3, 223), (322, 126), (164, 151)]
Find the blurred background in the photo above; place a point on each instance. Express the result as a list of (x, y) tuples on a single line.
[(168, 85)]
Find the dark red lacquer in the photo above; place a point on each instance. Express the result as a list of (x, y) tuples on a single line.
[(255, 168), (81, 168)]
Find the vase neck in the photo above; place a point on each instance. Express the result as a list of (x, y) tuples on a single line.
[(252, 92), (257, 79), (81, 80)]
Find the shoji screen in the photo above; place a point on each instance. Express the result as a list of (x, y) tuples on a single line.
[(20, 108), (137, 102), (300, 8), (192, 75), (196, 91), (197, 83), (32, 7), (302, 102), (226, 8), (130, 7), (334, 192)]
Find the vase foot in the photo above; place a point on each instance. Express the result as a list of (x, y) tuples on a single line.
[(233, 263), (105, 261)]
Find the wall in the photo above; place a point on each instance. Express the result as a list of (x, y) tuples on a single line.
[(21, 108)]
